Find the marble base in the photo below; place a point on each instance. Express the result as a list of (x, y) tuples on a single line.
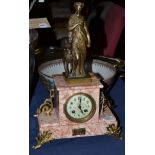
[(66, 88), (52, 124)]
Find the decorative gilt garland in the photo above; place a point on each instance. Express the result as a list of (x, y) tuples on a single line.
[(104, 103)]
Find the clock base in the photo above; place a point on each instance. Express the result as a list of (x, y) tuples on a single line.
[(51, 124)]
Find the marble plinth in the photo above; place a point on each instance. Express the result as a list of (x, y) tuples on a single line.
[(60, 126), (52, 124)]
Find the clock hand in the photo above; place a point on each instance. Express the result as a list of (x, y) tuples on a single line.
[(79, 104), (80, 108)]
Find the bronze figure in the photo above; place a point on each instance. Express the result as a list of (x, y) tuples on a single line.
[(68, 63), (79, 39)]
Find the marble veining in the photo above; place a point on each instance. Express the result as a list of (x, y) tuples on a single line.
[(60, 125)]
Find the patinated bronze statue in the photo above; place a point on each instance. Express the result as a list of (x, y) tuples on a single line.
[(80, 40)]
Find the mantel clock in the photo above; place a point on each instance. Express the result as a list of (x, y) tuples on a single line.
[(80, 108)]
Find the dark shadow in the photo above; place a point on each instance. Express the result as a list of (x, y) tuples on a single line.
[(97, 33), (33, 73), (88, 65), (120, 50)]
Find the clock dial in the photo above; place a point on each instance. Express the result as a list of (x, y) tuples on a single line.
[(80, 107)]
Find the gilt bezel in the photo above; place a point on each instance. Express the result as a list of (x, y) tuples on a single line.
[(86, 118)]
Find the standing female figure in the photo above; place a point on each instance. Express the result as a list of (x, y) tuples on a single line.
[(79, 39)]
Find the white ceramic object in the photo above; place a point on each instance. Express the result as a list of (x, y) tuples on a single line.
[(106, 70)]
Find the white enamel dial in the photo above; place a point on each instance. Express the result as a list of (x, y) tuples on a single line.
[(80, 107)]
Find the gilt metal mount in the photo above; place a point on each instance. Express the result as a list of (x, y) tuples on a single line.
[(42, 138), (114, 130), (47, 106)]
